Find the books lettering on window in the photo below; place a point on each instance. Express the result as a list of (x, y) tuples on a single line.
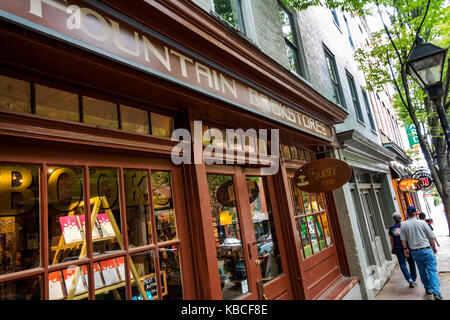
[(55, 286), (105, 225), (109, 272), (70, 229), (69, 275)]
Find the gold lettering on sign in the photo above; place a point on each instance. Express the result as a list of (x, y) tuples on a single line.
[(54, 193), (15, 181), (134, 194)]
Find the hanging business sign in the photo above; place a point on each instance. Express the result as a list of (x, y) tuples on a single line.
[(426, 180), (322, 175), (409, 185), (98, 28)]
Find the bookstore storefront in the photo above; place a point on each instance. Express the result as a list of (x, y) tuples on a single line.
[(91, 205)]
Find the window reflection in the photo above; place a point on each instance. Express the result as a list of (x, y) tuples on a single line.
[(264, 227), (15, 95), (170, 271), (139, 221), (100, 113), (147, 286), (230, 254), (24, 289), (312, 223), (19, 218), (166, 227), (109, 277), (57, 104), (106, 232)]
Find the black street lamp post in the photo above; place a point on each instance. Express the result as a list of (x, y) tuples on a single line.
[(426, 65)]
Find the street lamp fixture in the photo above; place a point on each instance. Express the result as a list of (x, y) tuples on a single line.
[(426, 66)]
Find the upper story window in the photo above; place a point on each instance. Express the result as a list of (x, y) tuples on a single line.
[(335, 17), (230, 11), (334, 77), (349, 33), (354, 93), (369, 110), (290, 40)]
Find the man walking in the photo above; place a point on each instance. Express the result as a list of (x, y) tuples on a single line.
[(397, 249), (422, 243)]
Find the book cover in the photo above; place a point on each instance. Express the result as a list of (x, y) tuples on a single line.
[(109, 272), (105, 225), (55, 286), (98, 282), (69, 275), (121, 268), (70, 229), (95, 233)]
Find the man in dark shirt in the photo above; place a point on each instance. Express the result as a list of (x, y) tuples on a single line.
[(397, 249)]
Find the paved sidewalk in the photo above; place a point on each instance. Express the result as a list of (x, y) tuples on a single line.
[(398, 289)]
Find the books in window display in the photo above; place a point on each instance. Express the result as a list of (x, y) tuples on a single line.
[(55, 286), (73, 228), (70, 281)]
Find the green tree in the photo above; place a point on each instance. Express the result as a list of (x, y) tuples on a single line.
[(383, 61)]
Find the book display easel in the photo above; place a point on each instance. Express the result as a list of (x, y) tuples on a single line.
[(112, 270)]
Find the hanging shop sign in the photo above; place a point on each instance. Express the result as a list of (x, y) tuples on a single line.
[(426, 180), (226, 196), (409, 185), (97, 28), (322, 175)]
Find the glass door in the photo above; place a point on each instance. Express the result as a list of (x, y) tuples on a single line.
[(248, 255)]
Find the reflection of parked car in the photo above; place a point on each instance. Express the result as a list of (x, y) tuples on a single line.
[(265, 248)]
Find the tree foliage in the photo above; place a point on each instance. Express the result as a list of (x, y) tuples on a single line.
[(383, 62)]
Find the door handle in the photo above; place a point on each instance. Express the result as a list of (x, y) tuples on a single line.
[(249, 247)]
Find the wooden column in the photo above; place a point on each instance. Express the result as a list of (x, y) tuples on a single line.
[(289, 231), (198, 210)]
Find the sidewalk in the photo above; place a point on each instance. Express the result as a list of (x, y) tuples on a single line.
[(397, 288)]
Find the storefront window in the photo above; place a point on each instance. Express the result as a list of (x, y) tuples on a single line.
[(264, 226), (110, 281), (105, 204), (57, 104), (139, 220), (144, 265), (166, 227), (230, 253), (66, 219), (15, 95), (312, 222), (170, 271), (162, 126), (24, 289), (19, 218), (70, 284), (134, 120), (100, 113)]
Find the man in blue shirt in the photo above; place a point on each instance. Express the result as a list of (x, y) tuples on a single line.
[(397, 249), (422, 246)]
